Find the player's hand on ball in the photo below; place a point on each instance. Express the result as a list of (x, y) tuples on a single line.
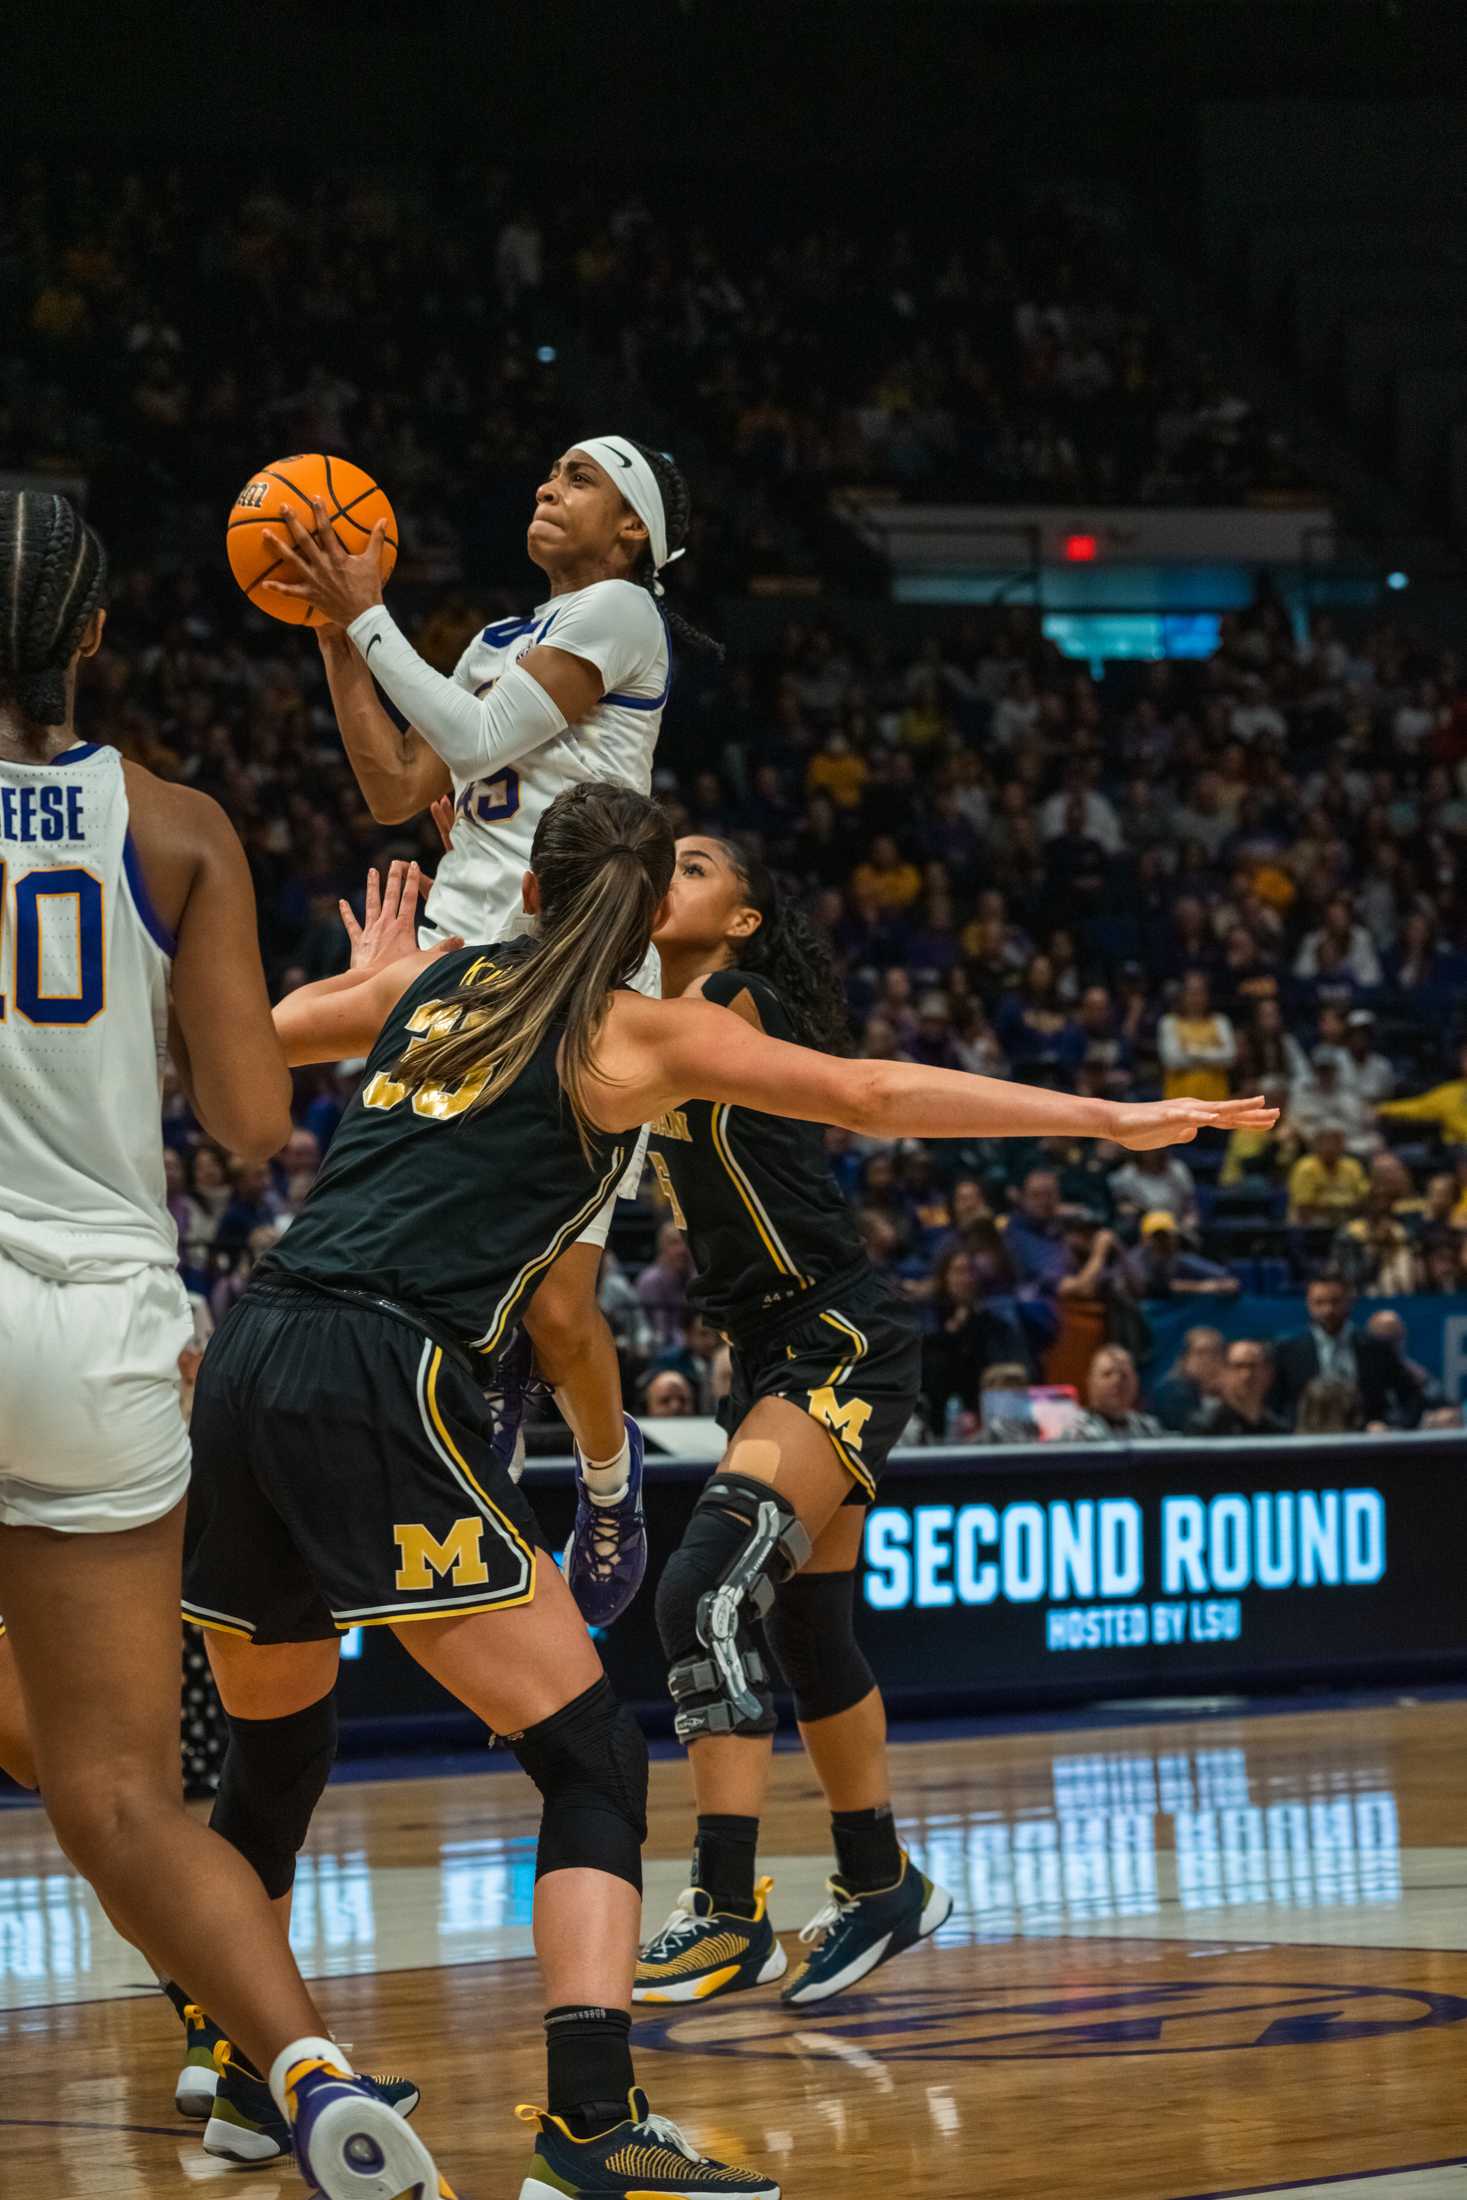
[(443, 814), (389, 929), (1143, 1125), (342, 584)]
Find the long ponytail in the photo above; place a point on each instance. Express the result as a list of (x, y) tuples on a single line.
[(603, 857), (793, 954)]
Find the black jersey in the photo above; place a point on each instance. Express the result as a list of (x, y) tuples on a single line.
[(453, 1215), (753, 1193)]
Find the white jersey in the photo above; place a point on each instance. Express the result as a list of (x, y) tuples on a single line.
[(84, 968), (615, 625)]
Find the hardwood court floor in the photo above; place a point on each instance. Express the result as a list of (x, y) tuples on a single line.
[(1201, 1958)]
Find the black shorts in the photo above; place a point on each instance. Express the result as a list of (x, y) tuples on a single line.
[(854, 1365), (344, 1476)]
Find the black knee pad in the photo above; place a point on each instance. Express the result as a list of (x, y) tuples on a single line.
[(274, 1773), (812, 1633), (742, 1540), (589, 1762)]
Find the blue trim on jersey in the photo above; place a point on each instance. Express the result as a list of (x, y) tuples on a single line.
[(143, 901), (77, 755), (641, 702), (549, 623), (504, 631)]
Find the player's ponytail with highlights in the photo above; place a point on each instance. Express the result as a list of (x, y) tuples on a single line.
[(52, 573), (793, 954), (603, 857)]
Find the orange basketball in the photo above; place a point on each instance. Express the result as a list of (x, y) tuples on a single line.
[(353, 503)]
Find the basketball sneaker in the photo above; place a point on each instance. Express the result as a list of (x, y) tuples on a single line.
[(245, 2125), (193, 2096), (701, 1951), (644, 2158), (606, 1556), (857, 1932), (351, 2144)]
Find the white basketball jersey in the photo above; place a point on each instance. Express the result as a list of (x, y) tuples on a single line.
[(84, 967), (617, 626)]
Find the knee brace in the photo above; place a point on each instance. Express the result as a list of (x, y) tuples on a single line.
[(812, 1633), (274, 1772), (589, 1762), (742, 1540)]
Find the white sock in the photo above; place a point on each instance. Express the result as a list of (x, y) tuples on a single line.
[(606, 1479), (307, 2050)]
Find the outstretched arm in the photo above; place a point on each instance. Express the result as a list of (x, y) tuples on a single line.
[(332, 1020), (653, 1055)]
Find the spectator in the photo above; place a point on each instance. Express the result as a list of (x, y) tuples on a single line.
[(1112, 1390), (1107, 1051), (887, 878), (1161, 1267), (662, 1288), (1148, 1183), (1443, 1105), (1241, 1405), (1328, 1408), (1326, 1185), (630, 1329), (254, 1204), (1329, 1099), (1333, 1347), (1196, 1045), (1196, 1378), (1387, 1328), (1369, 1071), (1034, 1029), (966, 1336), (296, 1167), (1351, 947), (1008, 1416), (669, 1396), (1036, 1241)]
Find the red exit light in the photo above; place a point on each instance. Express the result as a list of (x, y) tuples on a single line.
[(1080, 549)]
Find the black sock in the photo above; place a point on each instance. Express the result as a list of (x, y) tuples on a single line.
[(867, 1853), (723, 1861), (588, 2053), (178, 1998)]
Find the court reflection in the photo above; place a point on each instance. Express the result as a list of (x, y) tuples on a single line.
[(1129, 1836)]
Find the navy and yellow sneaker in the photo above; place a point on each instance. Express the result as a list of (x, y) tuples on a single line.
[(857, 1932), (193, 2096), (350, 2144), (701, 1951), (644, 2158), (245, 2125)]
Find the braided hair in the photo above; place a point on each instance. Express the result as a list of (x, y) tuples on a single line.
[(52, 573), (677, 505), (793, 954)]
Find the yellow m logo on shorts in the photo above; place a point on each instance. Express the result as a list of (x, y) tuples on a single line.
[(844, 1419), (458, 1558)]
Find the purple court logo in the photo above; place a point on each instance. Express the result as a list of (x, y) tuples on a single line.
[(1058, 2023)]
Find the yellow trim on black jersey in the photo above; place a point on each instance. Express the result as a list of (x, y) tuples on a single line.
[(857, 1337), (860, 1475), (495, 1332), (759, 1214)]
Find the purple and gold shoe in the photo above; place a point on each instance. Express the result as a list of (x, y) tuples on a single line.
[(606, 1556)]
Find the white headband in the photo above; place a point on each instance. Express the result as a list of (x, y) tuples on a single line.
[(638, 484)]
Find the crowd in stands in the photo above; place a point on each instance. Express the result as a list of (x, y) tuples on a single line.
[(165, 340), (1242, 874)]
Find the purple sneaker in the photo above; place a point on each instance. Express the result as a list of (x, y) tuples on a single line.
[(606, 1556)]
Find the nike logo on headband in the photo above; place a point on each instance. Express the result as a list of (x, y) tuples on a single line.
[(616, 454)]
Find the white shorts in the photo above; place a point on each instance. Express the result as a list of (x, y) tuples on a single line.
[(91, 1431)]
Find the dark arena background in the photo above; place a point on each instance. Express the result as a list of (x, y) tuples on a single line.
[(1073, 399)]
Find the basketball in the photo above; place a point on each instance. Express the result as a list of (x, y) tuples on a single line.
[(352, 501)]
